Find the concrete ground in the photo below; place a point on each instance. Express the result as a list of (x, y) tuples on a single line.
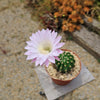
[(18, 80)]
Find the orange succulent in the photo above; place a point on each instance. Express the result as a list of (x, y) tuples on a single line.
[(79, 18), (64, 2), (74, 20), (56, 14), (64, 9), (64, 28), (69, 9), (72, 3), (79, 6), (86, 9), (71, 29), (81, 21), (83, 13), (69, 24), (88, 3), (56, 20), (64, 22), (61, 7), (78, 27), (70, 16), (74, 12), (54, 0), (90, 19), (56, 4), (71, 13), (74, 26), (75, 6)]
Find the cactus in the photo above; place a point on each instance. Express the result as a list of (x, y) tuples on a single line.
[(66, 63)]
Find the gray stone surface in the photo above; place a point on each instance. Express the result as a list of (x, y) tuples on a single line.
[(18, 80), (89, 40), (94, 23), (54, 91)]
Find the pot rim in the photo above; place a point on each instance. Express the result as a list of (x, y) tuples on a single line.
[(73, 77)]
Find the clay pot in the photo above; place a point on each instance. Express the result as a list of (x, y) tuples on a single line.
[(64, 82)]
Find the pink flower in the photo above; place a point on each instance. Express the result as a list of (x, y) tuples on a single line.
[(43, 47)]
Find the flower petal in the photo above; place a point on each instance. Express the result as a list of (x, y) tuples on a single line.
[(28, 53), (55, 53), (54, 35), (30, 57), (37, 62), (43, 59), (59, 45), (46, 63), (51, 59), (57, 58), (59, 51), (34, 60), (57, 40)]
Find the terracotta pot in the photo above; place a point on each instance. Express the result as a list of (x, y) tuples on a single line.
[(64, 82)]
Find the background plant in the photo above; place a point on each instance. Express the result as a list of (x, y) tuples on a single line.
[(71, 13), (62, 14), (40, 7), (95, 11), (42, 11)]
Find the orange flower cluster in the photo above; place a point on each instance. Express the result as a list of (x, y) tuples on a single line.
[(71, 13)]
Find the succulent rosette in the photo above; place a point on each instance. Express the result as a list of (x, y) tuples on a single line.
[(44, 47)]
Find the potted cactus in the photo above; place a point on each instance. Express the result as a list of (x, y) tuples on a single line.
[(66, 69), (44, 49)]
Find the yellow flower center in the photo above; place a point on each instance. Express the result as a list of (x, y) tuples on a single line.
[(45, 48)]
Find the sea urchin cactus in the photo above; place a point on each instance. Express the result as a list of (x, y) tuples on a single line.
[(66, 62)]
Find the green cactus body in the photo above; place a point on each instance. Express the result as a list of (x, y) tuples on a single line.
[(66, 63)]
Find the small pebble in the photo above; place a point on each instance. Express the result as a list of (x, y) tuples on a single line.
[(42, 93)]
